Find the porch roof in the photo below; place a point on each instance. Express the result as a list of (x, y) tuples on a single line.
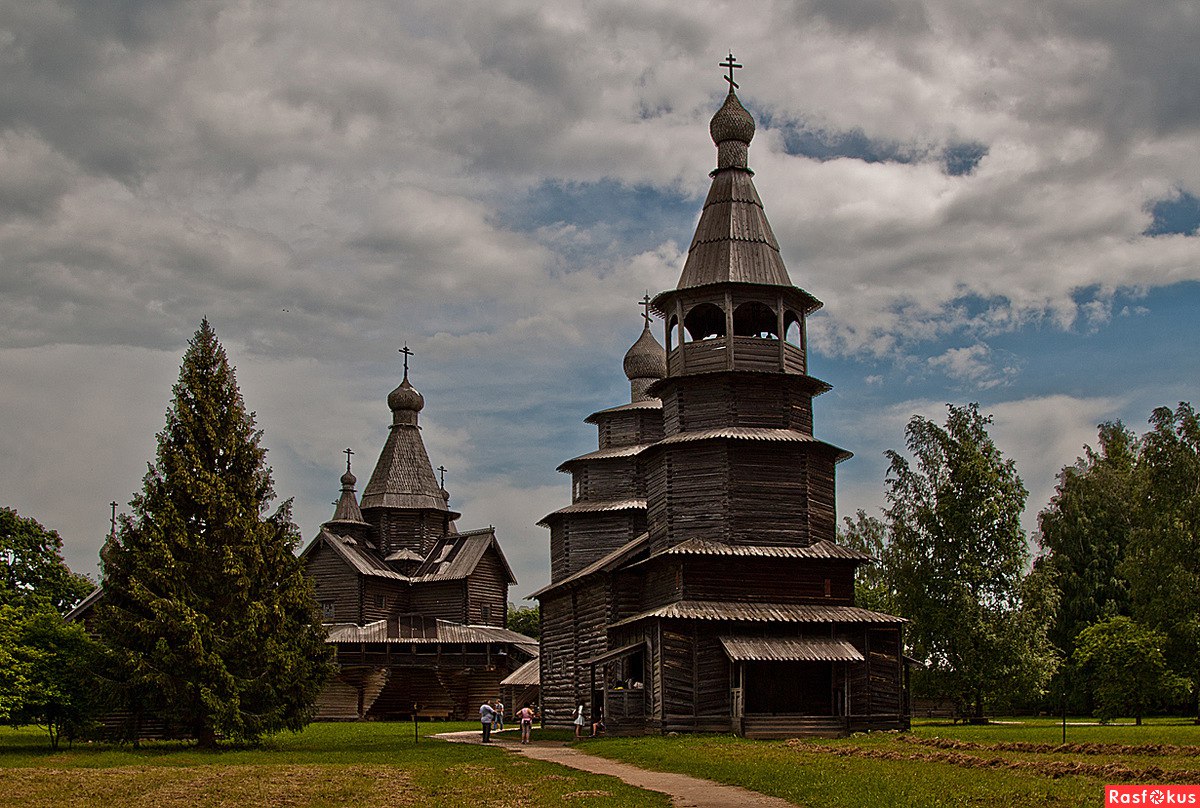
[(616, 653), (762, 613), (790, 649), (524, 676)]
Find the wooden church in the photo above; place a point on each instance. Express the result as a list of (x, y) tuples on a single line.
[(416, 609), (695, 580)]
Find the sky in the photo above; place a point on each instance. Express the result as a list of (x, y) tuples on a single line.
[(997, 203)]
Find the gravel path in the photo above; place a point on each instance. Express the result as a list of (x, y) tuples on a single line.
[(685, 791)]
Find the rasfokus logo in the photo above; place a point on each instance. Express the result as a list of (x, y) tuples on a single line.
[(1151, 795)]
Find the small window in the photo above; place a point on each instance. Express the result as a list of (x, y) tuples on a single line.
[(487, 612), (828, 589), (328, 612), (381, 601)]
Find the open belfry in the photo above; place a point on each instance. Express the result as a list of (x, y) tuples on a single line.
[(696, 584)]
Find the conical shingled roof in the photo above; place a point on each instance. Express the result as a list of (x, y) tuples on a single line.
[(347, 510), (733, 240), (403, 477)]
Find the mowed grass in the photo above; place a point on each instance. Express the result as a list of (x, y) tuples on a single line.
[(935, 765), (354, 764)]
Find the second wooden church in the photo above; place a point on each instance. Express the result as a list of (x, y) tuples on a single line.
[(696, 584)]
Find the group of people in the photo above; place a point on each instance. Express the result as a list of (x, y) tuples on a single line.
[(580, 722), (491, 716)]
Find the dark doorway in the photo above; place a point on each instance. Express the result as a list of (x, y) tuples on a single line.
[(797, 688)]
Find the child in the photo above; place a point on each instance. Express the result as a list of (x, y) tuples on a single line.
[(526, 716)]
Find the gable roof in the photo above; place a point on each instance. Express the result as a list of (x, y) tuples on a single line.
[(356, 555), (456, 556)]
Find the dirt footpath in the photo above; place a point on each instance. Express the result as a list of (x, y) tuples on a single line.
[(684, 791)]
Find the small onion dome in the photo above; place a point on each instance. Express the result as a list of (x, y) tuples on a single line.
[(646, 359), (732, 122), (732, 129), (348, 480), (406, 397), (445, 495)]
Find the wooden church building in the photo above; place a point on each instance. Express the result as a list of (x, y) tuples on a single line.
[(695, 580), (416, 608)]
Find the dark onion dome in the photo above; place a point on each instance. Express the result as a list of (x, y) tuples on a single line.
[(646, 359), (732, 129), (406, 397), (732, 122), (348, 480)]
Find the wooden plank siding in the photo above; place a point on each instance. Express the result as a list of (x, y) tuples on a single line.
[(488, 588), (335, 586)]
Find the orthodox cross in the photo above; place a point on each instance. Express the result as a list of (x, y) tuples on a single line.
[(407, 353), (729, 63), (347, 453), (442, 469), (114, 517), (645, 301)]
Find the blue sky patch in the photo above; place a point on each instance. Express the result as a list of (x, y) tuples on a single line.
[(1178, 215)]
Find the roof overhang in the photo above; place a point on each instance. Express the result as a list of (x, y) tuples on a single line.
[(790, 649)]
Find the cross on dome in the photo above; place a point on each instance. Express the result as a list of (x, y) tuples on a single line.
[(729, 63), (645, 301), (347, 452), (407, 353)]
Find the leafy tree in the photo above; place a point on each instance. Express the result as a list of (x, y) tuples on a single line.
[(525, 620), (56, 660), (872, 590), (1085, 531), (208, 615), (957, 562), (1162, 561), (32, 566), (1125, 666)]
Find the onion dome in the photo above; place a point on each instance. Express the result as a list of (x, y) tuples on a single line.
[(405, 398), (732, 129), (348, 480), (646, 359)]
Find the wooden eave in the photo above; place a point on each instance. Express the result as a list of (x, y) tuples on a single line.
[(597, 506), (81, 609), (811, 384), (797, 298), (746, 433), (527, 675), (446, 632), (762, 613), (609, 562), (822, 549), (648, 404), (790, 649), (614, 453)]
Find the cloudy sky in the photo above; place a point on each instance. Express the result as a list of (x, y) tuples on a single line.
[(996, 202)]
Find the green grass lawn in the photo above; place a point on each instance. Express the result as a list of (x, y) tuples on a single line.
[(1011, 764), (380, 764), (359, 764)]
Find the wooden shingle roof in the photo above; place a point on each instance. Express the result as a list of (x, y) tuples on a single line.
[(762, 613), (403, 477), (597, 506), (790, 649), (456, 556)]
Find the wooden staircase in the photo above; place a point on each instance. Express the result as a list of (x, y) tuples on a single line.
[(793, 726)]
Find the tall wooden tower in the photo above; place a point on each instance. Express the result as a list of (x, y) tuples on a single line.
[(734, 610)]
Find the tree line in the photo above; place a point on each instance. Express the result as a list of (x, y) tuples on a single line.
[(1103, 618)]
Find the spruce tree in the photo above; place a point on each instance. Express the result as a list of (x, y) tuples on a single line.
[(207, 614)]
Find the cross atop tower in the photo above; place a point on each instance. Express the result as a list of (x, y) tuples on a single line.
[(347, 453), (729, 63), (442, 469), (407, 353), (113, 530), (645, 301)]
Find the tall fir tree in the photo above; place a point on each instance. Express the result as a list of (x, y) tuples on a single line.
[(208, 616)]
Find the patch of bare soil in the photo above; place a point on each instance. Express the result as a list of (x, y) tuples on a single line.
[(1143, 750), (1108, 772)]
